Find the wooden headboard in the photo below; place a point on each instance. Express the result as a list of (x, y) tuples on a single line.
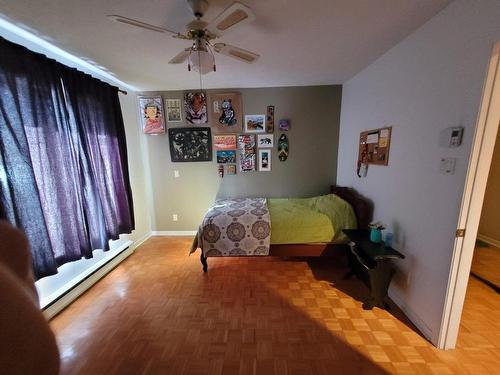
[(363, 207)]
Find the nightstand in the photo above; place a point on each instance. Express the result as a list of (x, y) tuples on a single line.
[(371, 263)]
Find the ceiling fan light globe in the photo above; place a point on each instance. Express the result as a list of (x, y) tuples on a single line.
[(202, 61)]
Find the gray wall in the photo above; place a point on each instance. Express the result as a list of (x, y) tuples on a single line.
[(430, 81), (314, 113)]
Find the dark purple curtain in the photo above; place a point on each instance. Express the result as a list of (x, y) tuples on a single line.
[(63, 162)]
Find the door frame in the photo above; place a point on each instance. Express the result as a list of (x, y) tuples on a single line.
[(472, 201)]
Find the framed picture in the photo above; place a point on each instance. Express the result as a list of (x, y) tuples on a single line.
[(190, 144), (174, 110), (255, 124), (151, 114), (228, 156), (225, 142), (231, 169), (265, 160), (246, 147), (195, 105), (226, 113), (265, 140)]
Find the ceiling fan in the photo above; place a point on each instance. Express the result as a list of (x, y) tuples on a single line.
[(200, 55)]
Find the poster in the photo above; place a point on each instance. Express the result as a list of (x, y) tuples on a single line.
[(225, 142), (190, 144), (195, 105), (226, 112), (246, 147), (174, 110), (151, 114)]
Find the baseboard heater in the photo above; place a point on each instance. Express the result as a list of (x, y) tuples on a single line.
[(68, 296)]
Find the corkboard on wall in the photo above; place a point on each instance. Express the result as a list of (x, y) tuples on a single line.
[(374, 146)]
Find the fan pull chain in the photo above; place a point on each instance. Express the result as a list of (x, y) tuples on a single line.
[(199, 71)]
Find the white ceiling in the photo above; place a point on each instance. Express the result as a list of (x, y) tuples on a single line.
[(301, 42)]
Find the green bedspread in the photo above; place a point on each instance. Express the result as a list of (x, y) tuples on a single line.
[(309, 220)]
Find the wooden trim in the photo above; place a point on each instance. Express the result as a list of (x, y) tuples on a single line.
[(493, 286), (472, 202), (489, 240), (306, 250)]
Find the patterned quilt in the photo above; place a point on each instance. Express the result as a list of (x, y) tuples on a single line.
[(236, 227)]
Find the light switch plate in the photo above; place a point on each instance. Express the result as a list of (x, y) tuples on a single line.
[(447, 166)]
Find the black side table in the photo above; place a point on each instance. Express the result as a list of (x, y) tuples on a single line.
[(371, 263)]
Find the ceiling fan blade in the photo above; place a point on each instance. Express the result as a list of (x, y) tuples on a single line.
[(143, 25), (180, 57), (236, 52), (235, 15), (181, 36)]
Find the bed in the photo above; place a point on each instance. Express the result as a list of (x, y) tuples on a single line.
[(281, 226)]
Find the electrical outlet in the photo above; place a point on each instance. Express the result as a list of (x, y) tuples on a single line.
[(174, 217), (176, 173)]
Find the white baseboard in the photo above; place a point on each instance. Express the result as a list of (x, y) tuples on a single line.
[(141, 240), (174, 232), (488, 240), (414, 318), (56, 307), (53, 309)]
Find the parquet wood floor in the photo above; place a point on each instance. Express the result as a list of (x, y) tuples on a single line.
[(158, 313)]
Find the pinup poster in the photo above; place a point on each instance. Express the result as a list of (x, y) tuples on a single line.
[(227, 116), (195, 104), (151, 114), (225, 142), (246, 147), (174, 110)]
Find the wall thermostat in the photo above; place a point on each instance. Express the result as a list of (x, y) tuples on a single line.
[(456, 136)]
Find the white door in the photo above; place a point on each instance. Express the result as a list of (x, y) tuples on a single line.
[(472, 201)]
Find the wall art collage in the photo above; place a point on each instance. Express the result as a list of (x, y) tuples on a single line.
[(243, 142)]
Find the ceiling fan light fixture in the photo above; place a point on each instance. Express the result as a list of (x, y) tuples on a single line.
[(202, 61), (200, 56)]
